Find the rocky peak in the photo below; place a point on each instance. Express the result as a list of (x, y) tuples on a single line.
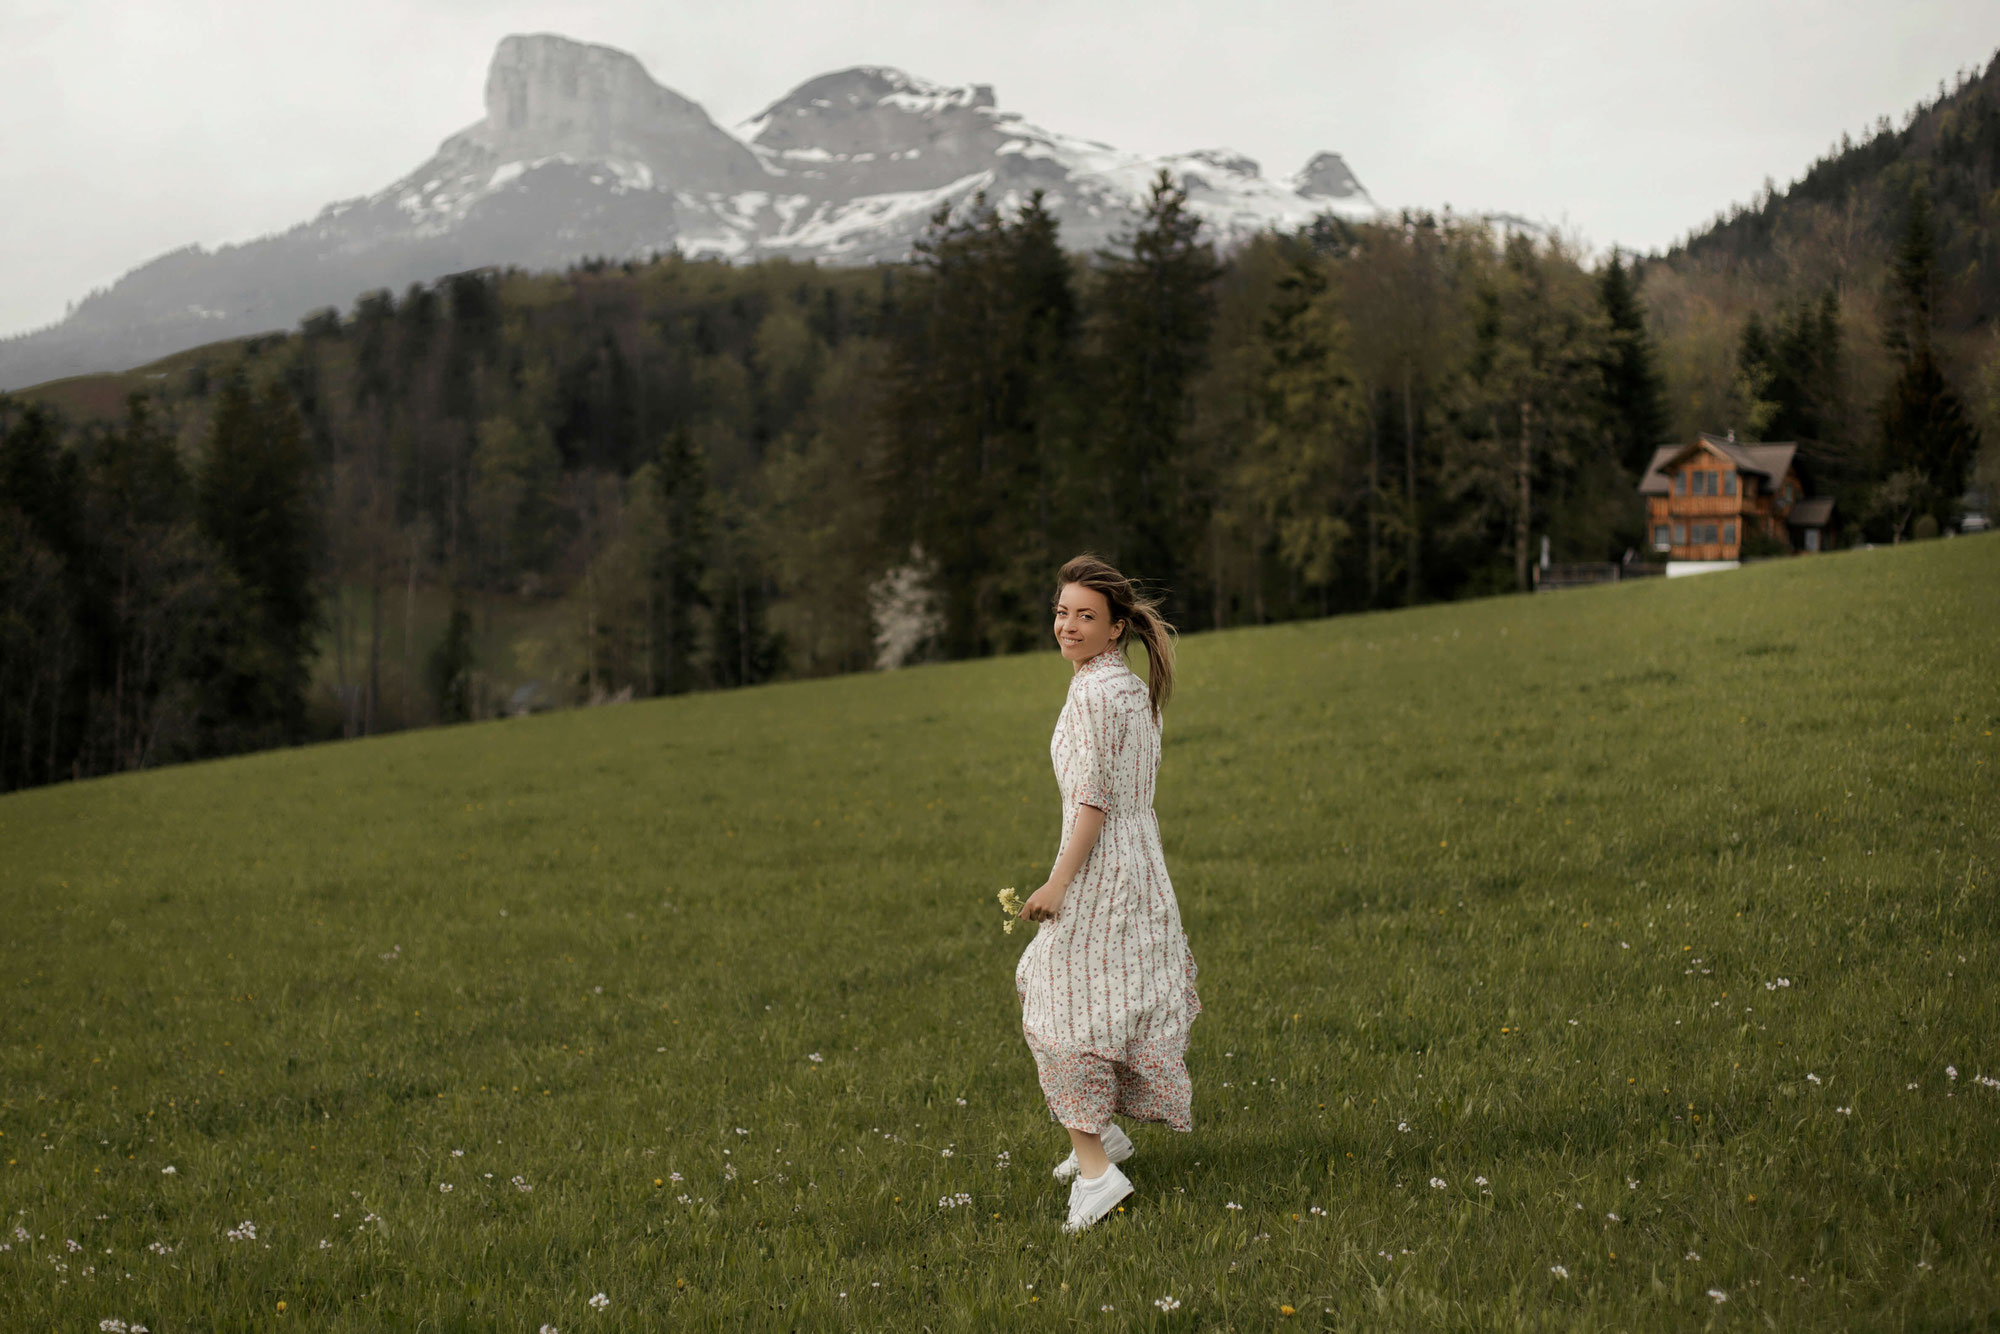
[(1327, 177), (549, 96), (867, 109)]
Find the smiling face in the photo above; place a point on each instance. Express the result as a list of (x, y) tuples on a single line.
[(1084, 627)]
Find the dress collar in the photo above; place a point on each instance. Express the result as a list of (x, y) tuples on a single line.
[(1110, 658)]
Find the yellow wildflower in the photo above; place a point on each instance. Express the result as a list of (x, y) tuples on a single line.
[(1010, 903)]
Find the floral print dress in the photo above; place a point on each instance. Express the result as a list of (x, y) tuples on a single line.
[(1107, 988)]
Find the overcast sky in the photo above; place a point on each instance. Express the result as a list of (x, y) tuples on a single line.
[(138, 126)]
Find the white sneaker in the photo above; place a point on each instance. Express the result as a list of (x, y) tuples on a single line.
[(1091, 1200), (1117, 1147)]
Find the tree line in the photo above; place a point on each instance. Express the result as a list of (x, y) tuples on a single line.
[(639, 479)]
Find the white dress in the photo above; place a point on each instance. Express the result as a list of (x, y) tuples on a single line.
[(1107, 989)]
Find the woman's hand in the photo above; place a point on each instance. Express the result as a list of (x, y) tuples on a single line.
[(1044, 903)]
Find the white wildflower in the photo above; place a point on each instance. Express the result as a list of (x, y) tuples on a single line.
[(1168, 1303), (1718, 1294), (1437, 1183), (1559, 1271), (600, 1301)]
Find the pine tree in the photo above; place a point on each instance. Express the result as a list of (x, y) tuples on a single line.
[(679, 564), (1756, 377), (979, 419), (43, 648), (1926, 430), (1632, 382), (1155, 309), (1928, 438), (1914, 275), (159, 594), (1532, 406), (450, 667), (256, 502), (1303, 471), (1789, 375)]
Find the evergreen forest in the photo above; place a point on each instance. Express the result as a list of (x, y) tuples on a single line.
[(505, 490)]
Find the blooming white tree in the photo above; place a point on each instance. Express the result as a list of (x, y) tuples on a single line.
[(904, 608)]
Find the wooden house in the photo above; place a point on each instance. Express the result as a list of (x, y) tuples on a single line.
[(1705, 499)]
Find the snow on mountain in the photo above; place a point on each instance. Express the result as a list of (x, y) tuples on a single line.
[(580, 153)]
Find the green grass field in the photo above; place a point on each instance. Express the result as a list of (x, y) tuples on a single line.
[(1598, 960)]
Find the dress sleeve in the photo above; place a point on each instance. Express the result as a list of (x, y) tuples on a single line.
[(1099, 732)]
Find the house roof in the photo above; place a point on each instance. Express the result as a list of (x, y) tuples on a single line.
[(1655, 482), (1811, 513), (1771, 461)]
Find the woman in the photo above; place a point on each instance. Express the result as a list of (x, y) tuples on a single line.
[(1107, 985)]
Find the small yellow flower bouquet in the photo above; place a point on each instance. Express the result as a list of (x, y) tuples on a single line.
[(1010, 903)]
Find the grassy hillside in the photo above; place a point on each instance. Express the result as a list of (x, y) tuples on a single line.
[(1595, 960)]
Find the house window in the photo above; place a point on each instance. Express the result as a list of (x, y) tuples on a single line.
[(1729, 534), (1680, 534), (1707, 533), (1729, 484), (1680, 483), (1701, 483), (1660, 539), (1812, 539)]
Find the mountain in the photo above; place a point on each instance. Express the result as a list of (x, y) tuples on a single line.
[(580, 153)]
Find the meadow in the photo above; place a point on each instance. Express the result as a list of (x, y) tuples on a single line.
[(1619, 958)]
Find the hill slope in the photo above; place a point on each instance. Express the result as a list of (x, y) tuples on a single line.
[(1589, 959), (1833, 236), (1842, 218)]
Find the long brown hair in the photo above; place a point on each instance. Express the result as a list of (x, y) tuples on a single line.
[(1139, 611)]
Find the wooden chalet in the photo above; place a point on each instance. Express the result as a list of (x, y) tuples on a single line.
[(1706, 498)]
